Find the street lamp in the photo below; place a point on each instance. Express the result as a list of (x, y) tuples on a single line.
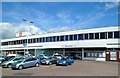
[(29, 22)]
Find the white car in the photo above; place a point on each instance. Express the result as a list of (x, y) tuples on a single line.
[(43, 55), (58, 56)]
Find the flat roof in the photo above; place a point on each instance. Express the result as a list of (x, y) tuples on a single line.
[(90, 30)]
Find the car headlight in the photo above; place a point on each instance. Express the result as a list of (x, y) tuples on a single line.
[(64, 61), (47, 61)]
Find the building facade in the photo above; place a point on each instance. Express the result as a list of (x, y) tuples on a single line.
[(100, 44)]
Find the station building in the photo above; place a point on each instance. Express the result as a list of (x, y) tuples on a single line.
[(99, 44)]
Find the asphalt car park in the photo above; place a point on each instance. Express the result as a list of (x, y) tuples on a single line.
[(78, 68)]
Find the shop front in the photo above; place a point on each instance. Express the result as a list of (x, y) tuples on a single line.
[(113, 55)]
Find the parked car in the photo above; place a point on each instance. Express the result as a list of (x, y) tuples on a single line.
[(57, 56), (29, 62), (49, 61), (11, 61), (2, 58), (41, 57), (65, 61), (6, 58)]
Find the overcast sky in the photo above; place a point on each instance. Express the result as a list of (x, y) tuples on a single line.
[(56, 16)]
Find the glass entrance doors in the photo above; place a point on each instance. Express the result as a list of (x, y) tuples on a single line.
[(75, 54)]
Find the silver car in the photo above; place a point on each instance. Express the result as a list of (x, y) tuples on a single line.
[(28, 62)]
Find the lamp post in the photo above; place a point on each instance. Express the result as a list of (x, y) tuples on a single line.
[(29, 22)]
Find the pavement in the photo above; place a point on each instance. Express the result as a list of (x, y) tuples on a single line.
[(79, 68)]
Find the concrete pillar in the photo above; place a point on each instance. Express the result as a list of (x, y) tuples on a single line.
[(35, 52), (82, 53), (63, 51)]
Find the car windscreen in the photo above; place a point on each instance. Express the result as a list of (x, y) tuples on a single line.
[(49, 58), (19, 61), (63, 58), (16, 59), (10, 58)]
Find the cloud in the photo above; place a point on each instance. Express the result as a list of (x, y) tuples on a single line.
[(62, 29), (111, 5), (88, 21), (56, 22), (9, 30)]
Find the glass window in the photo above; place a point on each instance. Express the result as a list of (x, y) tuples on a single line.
[(47, 39), (116, 34), (21, 42), (28, 40), (80, 36), (85, 54), (6, 43), (71, 37), (34, 40), (18, 42), (25, 41), (31, 41), (66, 38), (58, 38), (3, 43), (95, 54), (61, 38), (50, 39), (96, 35), (40, 39), (103, 35), (91, 35), (75, 37), (88, 54), (54, 38), (92, 54), (43, 39), (110, 34), (86, 36), (37, 40), (99, 54)]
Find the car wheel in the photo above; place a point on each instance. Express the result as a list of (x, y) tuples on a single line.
[(20, 67), (70, 64), (9, 65), (37, 65), (50, 63), (66, 64)]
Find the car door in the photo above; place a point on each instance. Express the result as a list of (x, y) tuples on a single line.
[(27, 63), (33, 61)]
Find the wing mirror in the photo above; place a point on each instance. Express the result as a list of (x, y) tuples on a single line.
[(24, 62)]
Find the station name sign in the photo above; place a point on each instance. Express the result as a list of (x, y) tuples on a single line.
[(68, 46)]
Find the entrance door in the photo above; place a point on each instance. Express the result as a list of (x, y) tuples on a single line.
[(20, 53), (74, 54)]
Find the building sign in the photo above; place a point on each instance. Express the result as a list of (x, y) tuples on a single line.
[(68, 46), (113, 56), (22, 34)]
